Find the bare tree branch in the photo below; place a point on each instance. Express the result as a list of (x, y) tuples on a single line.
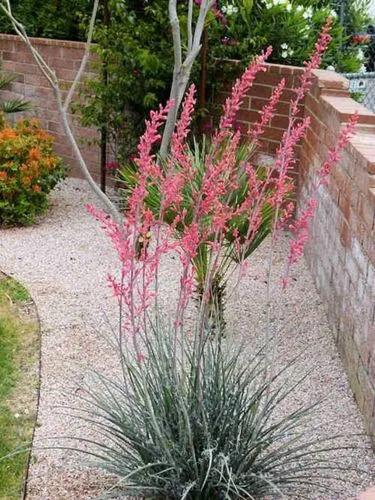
[(63, 107), (182, 68), (190, 25), (85, 58)]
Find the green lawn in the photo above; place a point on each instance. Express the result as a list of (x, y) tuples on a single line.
[(19, 347)]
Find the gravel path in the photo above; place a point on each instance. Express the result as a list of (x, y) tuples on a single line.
[(63, 262)]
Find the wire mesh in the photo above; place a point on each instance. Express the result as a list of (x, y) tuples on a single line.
[(362, 83), (362, 88)]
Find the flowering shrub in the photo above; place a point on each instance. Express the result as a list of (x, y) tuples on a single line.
[(187, 418), (50, 19), (28, 171), (284, 24)]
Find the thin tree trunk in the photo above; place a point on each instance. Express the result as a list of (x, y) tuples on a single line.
[(202, 99), (182, 68), (104, 128)]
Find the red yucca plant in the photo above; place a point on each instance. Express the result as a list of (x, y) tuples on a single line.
[(186, 420)]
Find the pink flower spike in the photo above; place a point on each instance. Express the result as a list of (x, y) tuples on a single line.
[(178, 142), (242, 85), (334, 154), (268, 112), (306, 78)]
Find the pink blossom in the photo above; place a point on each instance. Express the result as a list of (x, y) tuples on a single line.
[(300, 231), (210, 223), (242, 85), (306, 79), (148, 168), (268, 111), (178, 142), (190, 240), (300, 228), (334, 153)]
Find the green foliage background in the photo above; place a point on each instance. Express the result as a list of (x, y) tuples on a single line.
[(50, 18), (135, 48)]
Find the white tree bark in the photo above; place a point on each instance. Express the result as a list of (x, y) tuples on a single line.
[(63, 105), (182, 67)]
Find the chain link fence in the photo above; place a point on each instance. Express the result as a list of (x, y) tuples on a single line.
[(362, 88), (362, 83)]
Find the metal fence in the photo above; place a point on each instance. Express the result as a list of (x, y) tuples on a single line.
[(362, 88), (362, 84)]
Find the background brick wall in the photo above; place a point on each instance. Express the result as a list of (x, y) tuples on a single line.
[(341, 248), (258, 96), (64, 57)]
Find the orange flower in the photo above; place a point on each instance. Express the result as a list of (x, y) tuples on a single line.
[(34, 122), (7, 133), (26, 180), (3, 176), (51, 162), (34, 154), (36, 188), (43, 136)]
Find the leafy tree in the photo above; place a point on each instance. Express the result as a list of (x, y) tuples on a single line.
[(136, 49), (50, 18)]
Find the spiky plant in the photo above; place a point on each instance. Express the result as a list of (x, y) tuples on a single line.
[(198, 153), (12, 105), (189, 417), (204, 426)]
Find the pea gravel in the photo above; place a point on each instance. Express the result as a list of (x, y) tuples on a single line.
[(63, 262)]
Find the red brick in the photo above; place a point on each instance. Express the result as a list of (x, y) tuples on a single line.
[(331, 80), (344, 107), (258, 104), (281, 122), (246, 115), (261, 91), (274, 79)]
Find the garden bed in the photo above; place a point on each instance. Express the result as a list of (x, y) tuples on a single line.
[(64, 260)]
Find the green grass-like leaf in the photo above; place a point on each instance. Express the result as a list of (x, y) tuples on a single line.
[(14, 106), (206, 428)]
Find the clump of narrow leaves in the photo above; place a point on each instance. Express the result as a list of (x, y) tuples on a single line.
[(205, 424)]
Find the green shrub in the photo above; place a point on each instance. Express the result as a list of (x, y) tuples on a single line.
[(291, 29), (137, 37), (28, 171), (50, 18)]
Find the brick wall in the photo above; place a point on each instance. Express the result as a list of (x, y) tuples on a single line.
[(258, 96), (64, 57), (341, 249)]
